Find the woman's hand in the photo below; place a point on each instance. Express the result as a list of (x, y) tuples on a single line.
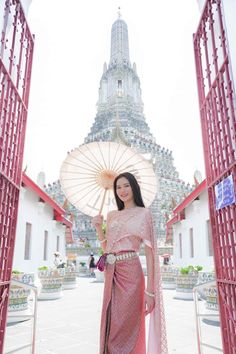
[(149, 304), (97, 221)]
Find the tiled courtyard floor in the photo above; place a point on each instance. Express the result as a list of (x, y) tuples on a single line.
[(70, 325)]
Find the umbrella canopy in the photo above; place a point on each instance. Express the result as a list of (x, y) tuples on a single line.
[(88, 172)]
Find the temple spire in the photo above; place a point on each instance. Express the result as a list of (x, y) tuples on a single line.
[(119, 42)]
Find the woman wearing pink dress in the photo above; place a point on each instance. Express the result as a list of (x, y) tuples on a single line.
[(127, 300)]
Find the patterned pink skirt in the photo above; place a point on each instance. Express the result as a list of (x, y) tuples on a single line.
[(123, 319)]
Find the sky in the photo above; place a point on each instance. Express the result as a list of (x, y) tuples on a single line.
[(72, 42)]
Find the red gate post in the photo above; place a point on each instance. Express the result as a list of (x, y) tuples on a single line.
[(218, 121), (16, 53)]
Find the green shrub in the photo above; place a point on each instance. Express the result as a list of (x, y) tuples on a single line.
[(198, 268), (184, 270), (82, 263), (190, 268), (15, 271), (43, 268)]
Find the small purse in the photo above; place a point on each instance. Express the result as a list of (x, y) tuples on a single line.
[(101, 262)]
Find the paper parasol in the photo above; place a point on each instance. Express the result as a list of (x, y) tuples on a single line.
[(88, 172)]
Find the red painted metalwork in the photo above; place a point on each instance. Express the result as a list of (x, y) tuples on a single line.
[(16, 52), (217, 112)]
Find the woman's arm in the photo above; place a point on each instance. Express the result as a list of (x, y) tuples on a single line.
[(97, 222), (102, 238)]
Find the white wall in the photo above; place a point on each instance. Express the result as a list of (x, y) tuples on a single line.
[(41, 218), (196, 215)]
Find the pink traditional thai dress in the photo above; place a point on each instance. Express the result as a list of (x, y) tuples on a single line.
[(123, 312)]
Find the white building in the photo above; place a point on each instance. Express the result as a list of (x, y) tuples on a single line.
[(41, 230), (190, 229)]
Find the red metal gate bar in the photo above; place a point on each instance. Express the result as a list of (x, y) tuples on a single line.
[(218, 121), (16, 53)]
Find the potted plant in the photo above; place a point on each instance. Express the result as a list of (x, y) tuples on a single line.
[(19, 297), (211, 305), (205, 277), (209, 295), (168, 275), (69, 280), (185, 282), (51, 280)]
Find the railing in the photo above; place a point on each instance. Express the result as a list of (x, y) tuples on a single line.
[(198, 316), (27, 317)]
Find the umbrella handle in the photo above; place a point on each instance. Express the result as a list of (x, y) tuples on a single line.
[(103, 200)]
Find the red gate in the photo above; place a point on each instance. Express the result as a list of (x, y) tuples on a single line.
[(217, 111), (16, 51)]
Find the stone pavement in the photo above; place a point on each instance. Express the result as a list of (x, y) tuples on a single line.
[(70, 325)]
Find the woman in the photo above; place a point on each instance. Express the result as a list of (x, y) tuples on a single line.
[(126, 301), (91, 264)]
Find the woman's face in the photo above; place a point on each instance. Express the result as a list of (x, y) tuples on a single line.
[(124, 190)]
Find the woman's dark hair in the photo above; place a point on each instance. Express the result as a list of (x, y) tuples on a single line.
[(138, 200)]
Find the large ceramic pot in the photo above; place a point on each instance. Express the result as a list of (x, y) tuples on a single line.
[(185, 284), (18, 307), (204, 277), (69, 280), (168, 275), (51, 283), (211, 306)]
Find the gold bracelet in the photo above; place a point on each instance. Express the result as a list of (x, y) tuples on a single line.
[(149, 294), (101, 241)]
